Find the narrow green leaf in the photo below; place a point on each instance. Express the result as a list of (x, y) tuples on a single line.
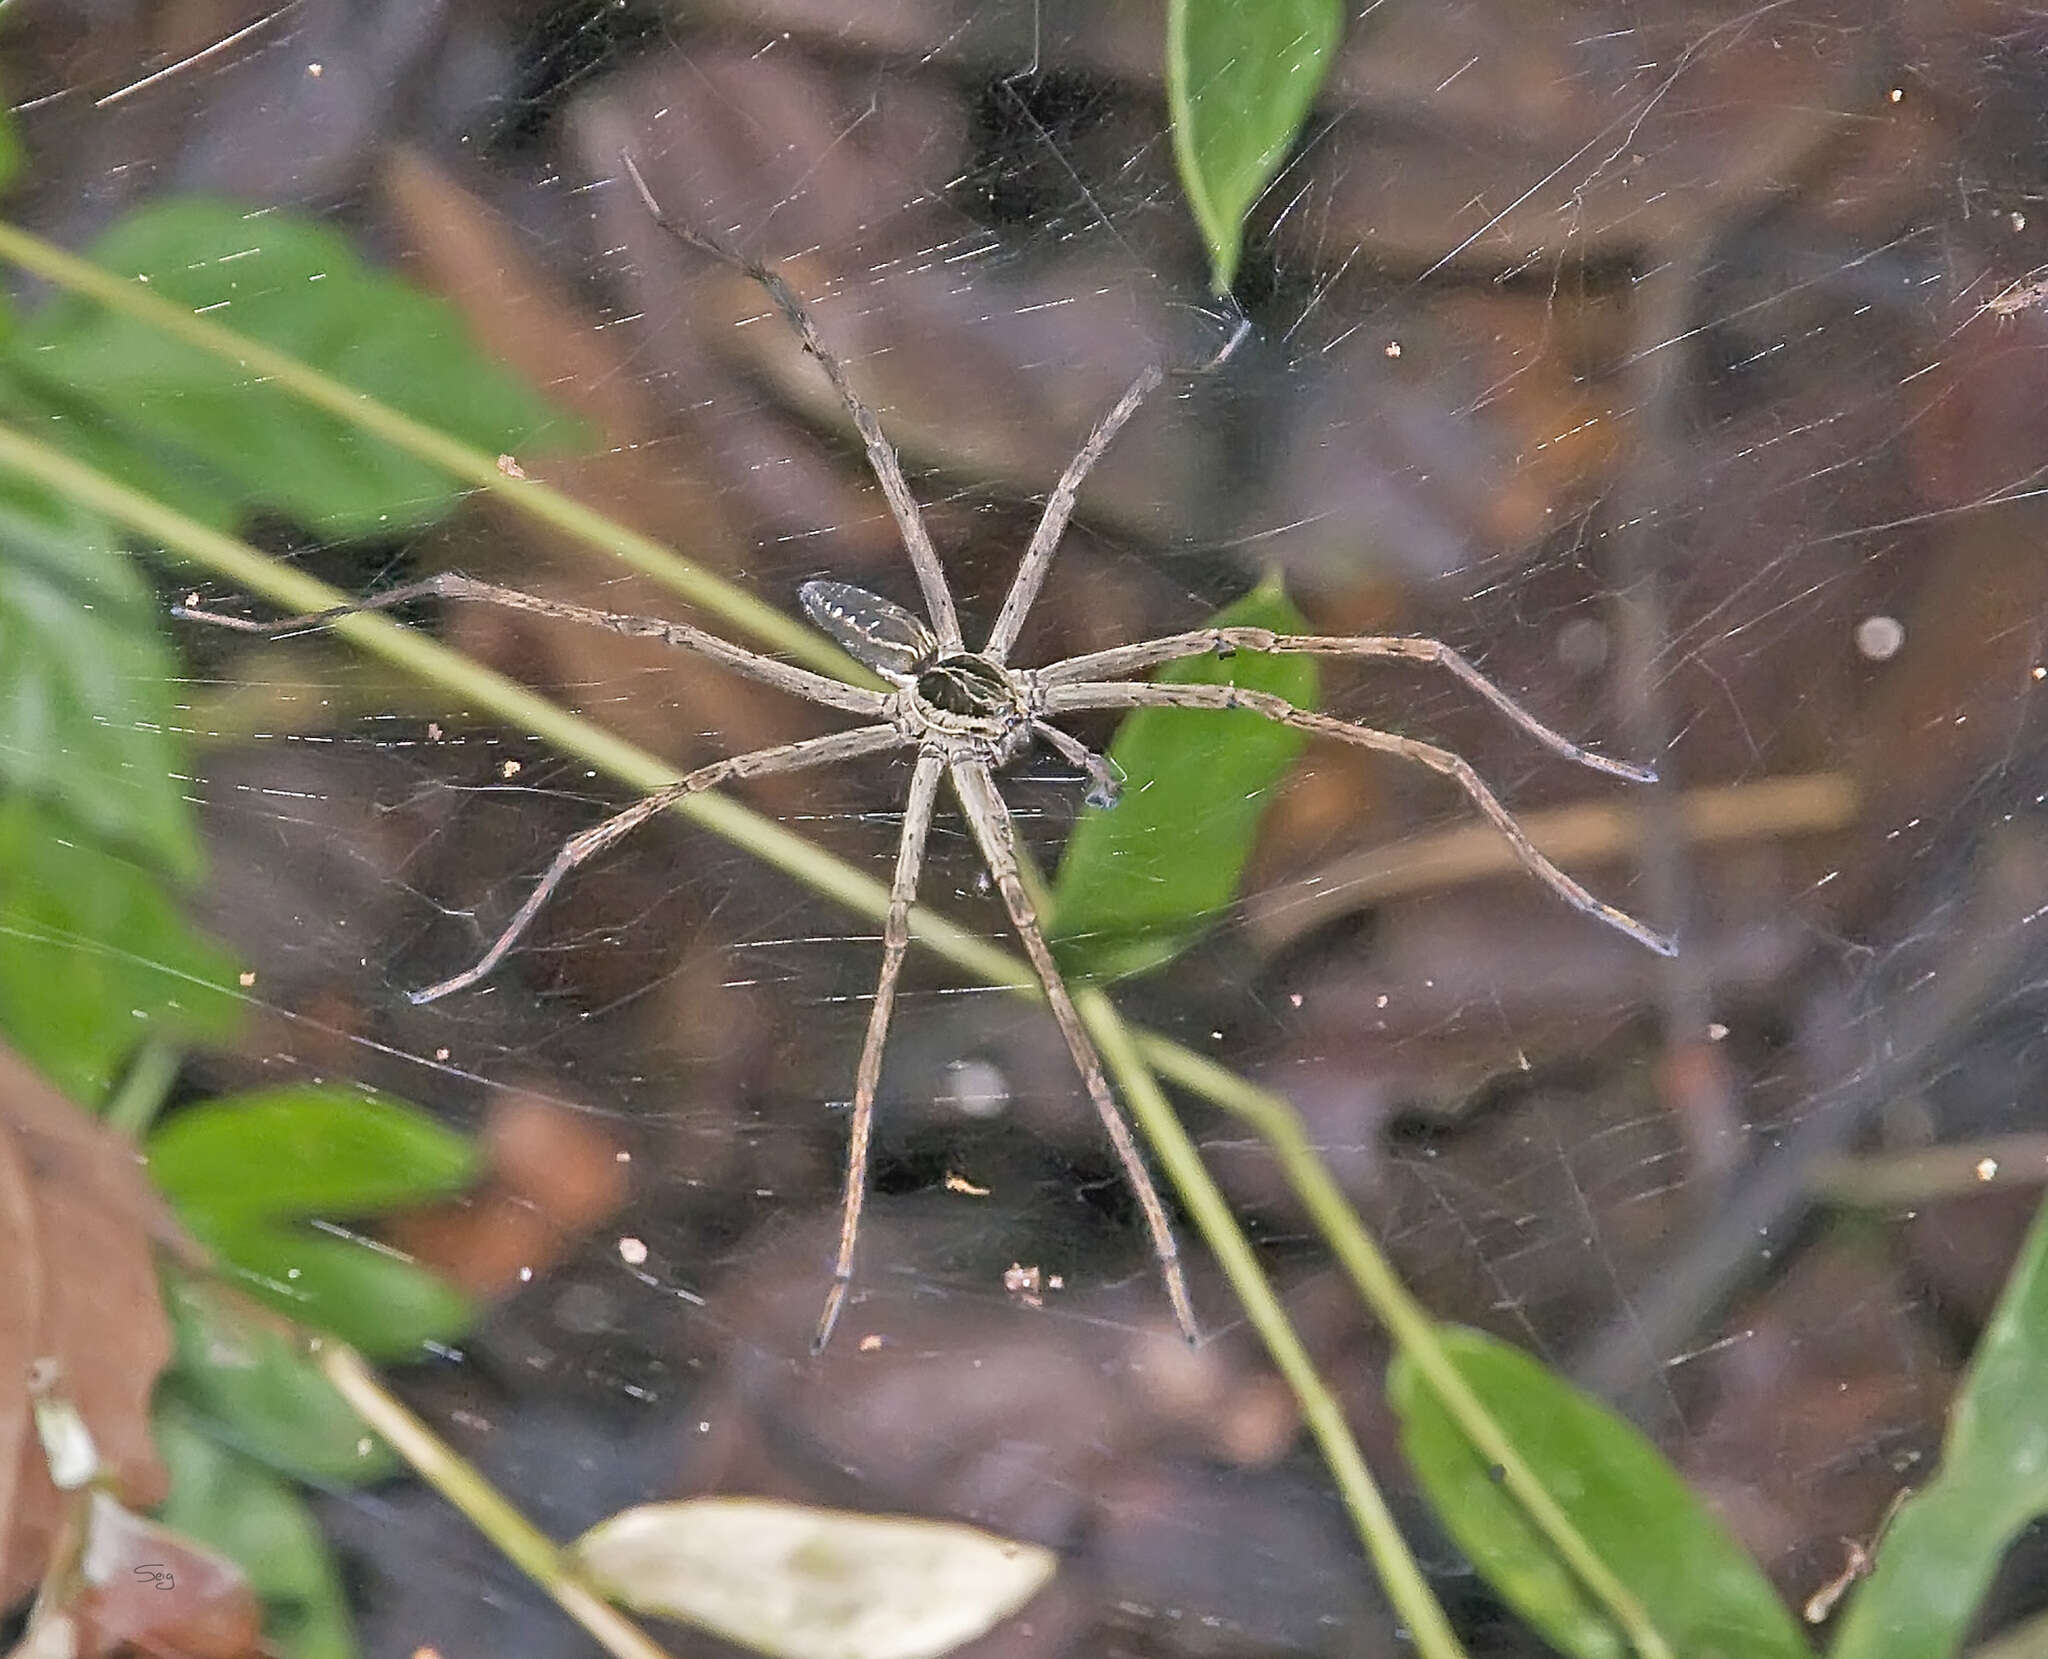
[(250, 1384), (1693, 1579), (10, 149), (372, 1297), (1947, 1540), (305, 1150), (85, 709), (803, 1583), (1241, 76), (1140, 882), (299, 287), (234, 1505), (94, 957)]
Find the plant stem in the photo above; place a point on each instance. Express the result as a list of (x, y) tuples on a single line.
[(1407, 1321), (521, 1542), (746, 612), (140, 1095), (1406, 1588)]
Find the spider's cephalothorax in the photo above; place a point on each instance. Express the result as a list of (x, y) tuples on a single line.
[(965, 713)]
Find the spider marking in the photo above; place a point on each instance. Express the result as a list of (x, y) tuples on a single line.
[(966, 714)]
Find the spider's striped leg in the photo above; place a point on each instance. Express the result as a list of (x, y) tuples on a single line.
[(450, 584), (917, 821), (1132, 659), (993, 829), (1059, 508), (579, 849), (917, 541), (1100, 695)]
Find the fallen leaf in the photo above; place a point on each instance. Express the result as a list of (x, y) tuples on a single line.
[(149, 1590), (805, 1583), (79, 1226)]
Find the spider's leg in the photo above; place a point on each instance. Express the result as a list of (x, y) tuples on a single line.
[(1105, 782), (1132, 659), (1097, 695), (990, 820), (579, 849), (917, 821), (888, 470), (449, 584), (1052, 523)]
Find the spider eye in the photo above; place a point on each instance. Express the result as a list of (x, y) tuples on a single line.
[(874, 632)]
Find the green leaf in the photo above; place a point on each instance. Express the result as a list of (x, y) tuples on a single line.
[(1948, 1539), (1240, 77), (305, 1150), (300, 287), (1693, 1579), (372, 1297), (94, 957), (85, 708), (236, 1506), (803, 1583), (1140, 882), (251, 1384)]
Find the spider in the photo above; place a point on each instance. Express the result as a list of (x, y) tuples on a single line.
[(965, 714)]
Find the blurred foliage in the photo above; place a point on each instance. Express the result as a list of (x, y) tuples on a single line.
[(324, 1153), (1240, 80), (200, 433), (235, 1504), (98, 836)]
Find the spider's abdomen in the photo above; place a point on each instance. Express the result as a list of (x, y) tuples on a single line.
[(874, 632), (971, 687)]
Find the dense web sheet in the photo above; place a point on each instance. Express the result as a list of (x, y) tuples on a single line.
[(1680, 368)]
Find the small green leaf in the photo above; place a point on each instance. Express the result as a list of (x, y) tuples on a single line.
[(802, 1583), (305, 1151), (1694, 1581), (234, 1505), (1141, 881), (372, 1297), (301, 288), (85, 709), (252, 1385), (94, 957), (1240, 78), (1947, 1540)]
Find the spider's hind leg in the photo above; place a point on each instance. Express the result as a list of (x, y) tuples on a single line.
[(917, 822), (990, 821)]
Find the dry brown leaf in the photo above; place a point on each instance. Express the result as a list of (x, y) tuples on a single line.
[(150, 1591), (79, 1228), (554, 1176)]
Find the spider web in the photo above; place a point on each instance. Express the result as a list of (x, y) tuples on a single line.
[(1643, 357)]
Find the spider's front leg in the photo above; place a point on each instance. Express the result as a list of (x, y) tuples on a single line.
[(1121, 660), (990, 820), (1150, 695)]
